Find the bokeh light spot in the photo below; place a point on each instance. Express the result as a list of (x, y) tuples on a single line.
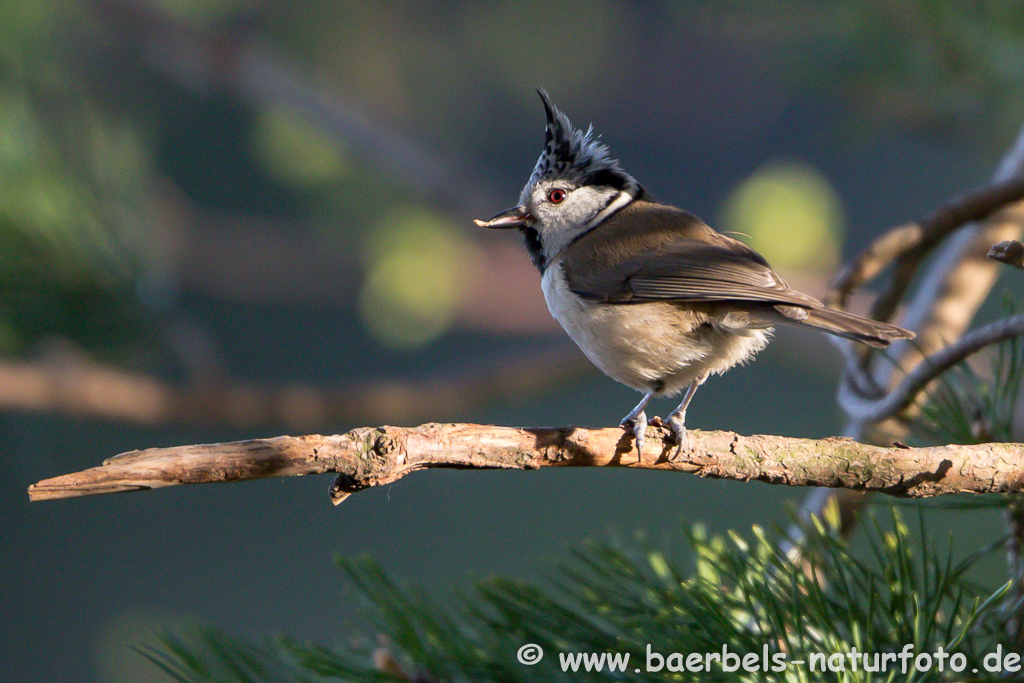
[(418, 270), (296, 151), (790, 213)]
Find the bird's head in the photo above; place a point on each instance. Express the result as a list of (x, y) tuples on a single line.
[(574, 186)]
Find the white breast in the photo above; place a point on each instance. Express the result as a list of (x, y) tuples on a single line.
[(647, 346)]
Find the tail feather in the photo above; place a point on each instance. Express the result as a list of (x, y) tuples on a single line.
[(842, 324)]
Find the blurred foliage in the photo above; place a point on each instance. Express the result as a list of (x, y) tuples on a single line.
[(791, 214), (298, 153), (599, 27), (73, 179), (112, 660), (942, 68), (623, 597), (87, 124), (207, 13), (109, 153)]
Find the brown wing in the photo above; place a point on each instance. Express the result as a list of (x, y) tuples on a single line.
[(652, 252)]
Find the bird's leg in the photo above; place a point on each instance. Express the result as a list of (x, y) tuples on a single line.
[(677, 420), (637, 421)]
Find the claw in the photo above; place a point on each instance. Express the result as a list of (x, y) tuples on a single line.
[(638, 424), (677, 420), (675, 423)]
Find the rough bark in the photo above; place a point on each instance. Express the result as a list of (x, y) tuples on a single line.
[(372, 456)]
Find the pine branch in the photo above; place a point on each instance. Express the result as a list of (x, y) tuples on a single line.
[(630, 596), (951, 290), (921, 376), (368, 456), (909, 244)]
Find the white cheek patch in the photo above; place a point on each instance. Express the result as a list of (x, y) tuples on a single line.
[(616, 204)]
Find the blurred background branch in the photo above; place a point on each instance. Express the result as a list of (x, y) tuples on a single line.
[(950, 290), (233, 58), (224, 56), (67, 384), (237, 216)]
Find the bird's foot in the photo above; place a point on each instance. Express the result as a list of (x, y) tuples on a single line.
[(678, 428), (638, 425)]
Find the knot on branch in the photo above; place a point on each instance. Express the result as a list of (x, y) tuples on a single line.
[(343, 486), (385, 444), (1010, 252)]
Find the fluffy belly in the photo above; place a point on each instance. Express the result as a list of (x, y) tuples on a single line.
[(650, 346)]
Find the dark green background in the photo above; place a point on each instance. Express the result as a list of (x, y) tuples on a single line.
[(692, 98)]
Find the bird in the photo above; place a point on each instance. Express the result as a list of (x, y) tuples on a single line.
[(652, 295)]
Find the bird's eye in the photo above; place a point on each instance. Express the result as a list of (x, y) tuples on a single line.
[(557, 195)]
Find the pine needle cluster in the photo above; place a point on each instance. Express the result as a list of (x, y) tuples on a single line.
[(736, 594)]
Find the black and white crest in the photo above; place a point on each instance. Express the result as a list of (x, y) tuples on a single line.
[(575, 156)]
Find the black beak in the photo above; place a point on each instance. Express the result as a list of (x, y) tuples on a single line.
[(516, 217)]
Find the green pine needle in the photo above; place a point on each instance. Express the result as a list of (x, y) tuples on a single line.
[(968, 407), (617, 597)]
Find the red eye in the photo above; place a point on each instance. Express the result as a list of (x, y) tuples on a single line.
[(557, 195)]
